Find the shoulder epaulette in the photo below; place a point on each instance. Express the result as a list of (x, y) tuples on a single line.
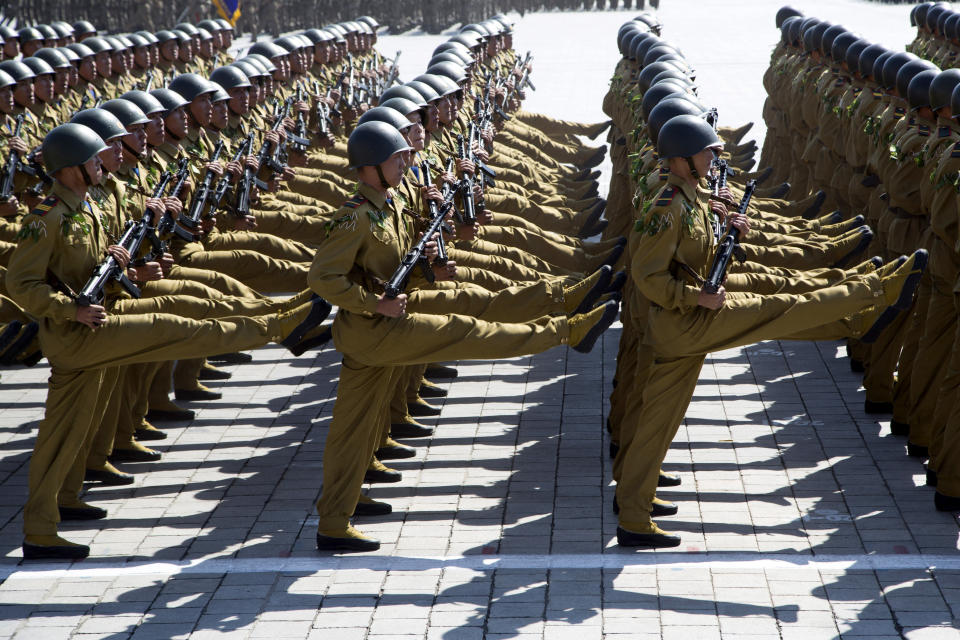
[(876, 94), (955, 152), (355, 201), (899, 112), (943, 132), (48, 203), (666, 197), (664, 172), (923, 130)]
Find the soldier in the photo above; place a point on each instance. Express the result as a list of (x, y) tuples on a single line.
[(376, 335), (61, 242)]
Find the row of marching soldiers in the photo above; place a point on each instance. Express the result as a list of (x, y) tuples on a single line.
[(875, 129), (166, 223), (718, 257)]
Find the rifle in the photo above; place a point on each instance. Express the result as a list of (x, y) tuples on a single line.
[(487, 173), (133, 237), (249, 180), (149, 82), (434, 212), (191, 219), (469, 216), (83, 104), (392, 76), (224, 183), (299, 136), (729, 247), (351, 100), (416, 255), (718, 182), (713, 118), (167, 224), (13, 164)]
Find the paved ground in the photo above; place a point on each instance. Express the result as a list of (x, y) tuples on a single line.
[(801, 516)]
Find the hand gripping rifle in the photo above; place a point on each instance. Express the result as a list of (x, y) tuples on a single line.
[(416, 255), (191, 218), (167, 224), (486, 172), (469, 216), (729, 247), (249, 180), (224, 184), (718, 182), (299, 135), (13, 165), (133, 236), (434, 212)]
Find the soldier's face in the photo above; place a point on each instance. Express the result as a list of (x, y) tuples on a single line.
[(176, 122), (93, 169), (136, 138), (141, 57), (433, 117), (156, 130), (201, 108), (119, 63), (206, 48), (416, 135), (218, 115), (444, 110), (112, 156), (227, 37), (239, 100), (394, 168), (87, 69), (30, 47), (61, 81), (11, 48), (74, 77), (6, 100), (23, 94), (170, 50), (104, 64)]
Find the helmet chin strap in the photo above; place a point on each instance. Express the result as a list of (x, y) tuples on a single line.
[(136, 154), (383, 180), (87, 180), (693, 168)]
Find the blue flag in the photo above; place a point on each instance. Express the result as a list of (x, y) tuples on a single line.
[(229, 9)]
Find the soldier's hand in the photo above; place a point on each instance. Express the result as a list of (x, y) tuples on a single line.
[(448, 177), (17, 144), (38, 155), (273, 185), (726, 194), (214, 167), (740, 221), (166, 263), (326, 140), (431, 250), (173, 206), (718, 208), (120, 254), (208, 224), (288, 173), (92, 316), (484, 217), (147, 272), (482, 154), (396, 308), (477, 191), (712, 300), (156, 205), (9, 207), (431, 193), (465, 166), (273, 137), (246, 223), (251, 163), (301, 106), (446, 271), (235, 168)]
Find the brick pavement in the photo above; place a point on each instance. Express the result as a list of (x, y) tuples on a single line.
[(801, 517)]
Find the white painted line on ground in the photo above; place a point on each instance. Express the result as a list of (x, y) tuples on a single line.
[(626, 561)]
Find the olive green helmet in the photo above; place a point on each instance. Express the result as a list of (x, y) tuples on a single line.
[(126, 111), (70, 145), (191, 86), (685, 136), (146, 102), (170, 100), (372, 143), (386, 114), (53, 57), (230, 78), (106, 125)]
